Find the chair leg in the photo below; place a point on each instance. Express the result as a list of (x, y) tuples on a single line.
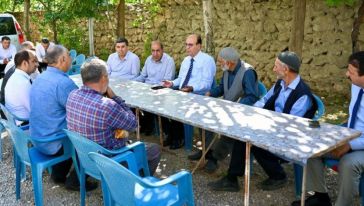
[(105, 194), (188, 136), (298, 174), (361, 189), (37, 184), (18, 168), (82, 185)]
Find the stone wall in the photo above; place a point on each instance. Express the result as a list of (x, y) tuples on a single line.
[(259, 29)]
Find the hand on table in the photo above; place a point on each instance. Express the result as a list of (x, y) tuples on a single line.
[(340, 151), (187, 89)]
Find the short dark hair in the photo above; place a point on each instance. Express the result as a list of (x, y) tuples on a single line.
[(45, 41), (122, 40), (199, 39), (5, 38), (357, 60), (93, 70), (23, 55), (54, 53), (157, 42)]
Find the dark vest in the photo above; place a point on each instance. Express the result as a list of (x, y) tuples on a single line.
[(301, 89), (3, 84)]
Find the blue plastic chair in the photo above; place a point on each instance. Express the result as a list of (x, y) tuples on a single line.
[(127, 188), (73, 54), (80, 59), (298, 169), (33, 158), (84, 146)]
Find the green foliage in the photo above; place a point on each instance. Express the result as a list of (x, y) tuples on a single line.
[(73, 38), (340, 2)]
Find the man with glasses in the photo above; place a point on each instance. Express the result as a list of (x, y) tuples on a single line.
[(18, 86), (196, 75)]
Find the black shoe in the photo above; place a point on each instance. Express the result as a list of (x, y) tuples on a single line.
[(166, 142), (211, 166), (76, 186), (177, 144), (195, 156), (273, 184), (224, 184), (314, 200)]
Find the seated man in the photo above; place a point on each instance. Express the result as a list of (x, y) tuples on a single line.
[(48, 97), (41, 51), (18, 86), (123, 63), (350, 155), (196, 75), (97, 113), (158, 66), (290, 95), (7, 53), (239, 83)]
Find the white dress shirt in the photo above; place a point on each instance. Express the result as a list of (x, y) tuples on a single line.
[(8, 53), (17, 92), (155, 71), (40, 51), (358, 143), (126, 68), (203, 72)]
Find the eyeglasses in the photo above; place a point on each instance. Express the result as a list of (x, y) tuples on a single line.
[(189, 45)]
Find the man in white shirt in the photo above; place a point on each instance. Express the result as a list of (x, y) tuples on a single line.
[(7, 52), (196, 75), (18, 87), (123, 63), (158, 66), (41, 51)]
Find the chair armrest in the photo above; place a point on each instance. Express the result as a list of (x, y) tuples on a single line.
[(123, 149), (51, 138), (181, 176)]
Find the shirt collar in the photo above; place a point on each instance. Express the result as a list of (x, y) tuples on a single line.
[(89, 90), (293, 84), (236, 69), (56, 70), (196, 56), (23, 73), (126, 56), (161, 60)]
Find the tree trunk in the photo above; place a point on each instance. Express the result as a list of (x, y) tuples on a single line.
[(120, 29), (298, 26), (207, 19), (55, 33), (356, 28), (26, 20)]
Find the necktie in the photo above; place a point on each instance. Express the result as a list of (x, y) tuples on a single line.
[(30, 80), (355, 109), (188, 76)]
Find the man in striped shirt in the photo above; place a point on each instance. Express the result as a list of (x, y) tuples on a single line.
[(97, 113)]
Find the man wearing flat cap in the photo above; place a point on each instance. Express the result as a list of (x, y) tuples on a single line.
[(290, 95)]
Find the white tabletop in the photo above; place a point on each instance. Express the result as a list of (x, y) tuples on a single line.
[(285, 135)]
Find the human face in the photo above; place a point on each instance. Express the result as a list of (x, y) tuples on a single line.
[(192, 48), (45, 46), (104, 83), (6, 44), (157, 52), (66, 61), (222, 63), (352, 74), (121, 49), (279, 69), (33, 63)]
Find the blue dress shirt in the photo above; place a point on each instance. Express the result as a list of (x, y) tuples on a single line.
[(155, 71), (127, 68), (251, 95), (48, 97), (299, 108), (203, 72), (358, 143)]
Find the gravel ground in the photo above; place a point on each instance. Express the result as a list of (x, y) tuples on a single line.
[(171, 162)]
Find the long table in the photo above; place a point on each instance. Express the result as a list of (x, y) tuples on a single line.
[(288, 136)]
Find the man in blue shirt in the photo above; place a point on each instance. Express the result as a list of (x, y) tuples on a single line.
[(350, 155), (289, 95), (48, 97), (158, 67), (239, 83), (196, 75)]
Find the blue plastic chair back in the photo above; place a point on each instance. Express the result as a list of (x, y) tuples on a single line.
[(126, 188), (73, 54), (80, 59), (262, 89), (320, 108)]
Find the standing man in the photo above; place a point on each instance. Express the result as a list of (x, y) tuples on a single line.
[(7, 53), (123, 63), (350, 155), (159, 66), (290, 95), (239, 83), (196, 75), (48, 98), (18, 86), (41, 51), (97, 113)]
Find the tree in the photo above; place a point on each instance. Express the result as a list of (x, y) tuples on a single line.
[(358, 20), (26, 19), (207, 19), (298, 26)]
